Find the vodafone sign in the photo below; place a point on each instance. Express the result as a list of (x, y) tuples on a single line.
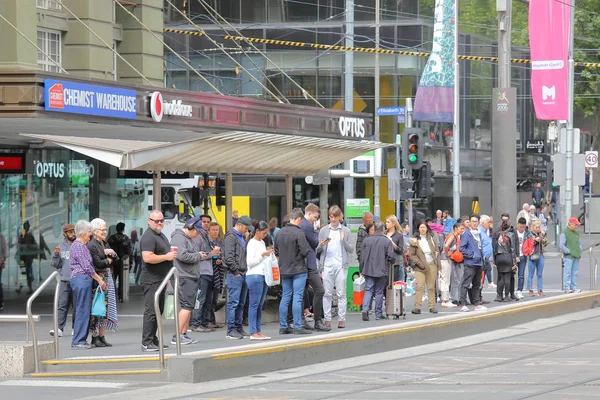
[(175, 108)]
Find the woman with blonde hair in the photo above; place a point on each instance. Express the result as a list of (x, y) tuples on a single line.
[(394, 233), (536, 259)]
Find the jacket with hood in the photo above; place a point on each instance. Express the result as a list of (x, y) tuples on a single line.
[(188, 255), (203, 243), (62, 261), (292, 248), (472, 254), (234, 253)]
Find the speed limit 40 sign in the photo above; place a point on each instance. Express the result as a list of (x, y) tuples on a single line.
[(591, 159)]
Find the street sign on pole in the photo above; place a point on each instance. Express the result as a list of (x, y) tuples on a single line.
[(591, 159), (399, 110)]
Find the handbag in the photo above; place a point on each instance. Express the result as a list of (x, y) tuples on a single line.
[(169, 309), (99, 303), (272, 276)]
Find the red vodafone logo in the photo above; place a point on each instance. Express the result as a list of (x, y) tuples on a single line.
[(157, 108)]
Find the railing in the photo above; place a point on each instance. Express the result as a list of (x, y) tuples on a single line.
[(56, 276), (161, 351), (593, 267), (20, 318)]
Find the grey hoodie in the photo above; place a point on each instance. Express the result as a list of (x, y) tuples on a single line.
[(203, 244), (62, 261), (188, 255)]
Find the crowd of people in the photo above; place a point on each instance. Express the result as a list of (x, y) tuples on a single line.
[(446, 259)]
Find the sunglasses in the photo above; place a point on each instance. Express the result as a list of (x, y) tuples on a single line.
[(157, 221)]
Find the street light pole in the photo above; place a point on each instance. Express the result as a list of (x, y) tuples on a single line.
[(377, 167)]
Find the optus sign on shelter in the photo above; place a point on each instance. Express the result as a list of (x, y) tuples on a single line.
[(81, 98)]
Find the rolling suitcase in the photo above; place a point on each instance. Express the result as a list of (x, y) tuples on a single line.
[(395, 299)]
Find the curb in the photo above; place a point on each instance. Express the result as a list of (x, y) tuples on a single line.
[(267, 357)]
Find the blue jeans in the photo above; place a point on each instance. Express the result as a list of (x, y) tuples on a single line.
[(81, 285), (293, 291), (375, 287), (521, 271), (570, 275), (237, 291), (398, 273), (488, 271), (202, 315), (257, 289), (536, 265)]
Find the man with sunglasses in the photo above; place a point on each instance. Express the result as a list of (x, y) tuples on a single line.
[(157, 261)]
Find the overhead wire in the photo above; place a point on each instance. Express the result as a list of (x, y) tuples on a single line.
[(117, 2), (110, 47), (234, 60), (34, 45), (306, 94)]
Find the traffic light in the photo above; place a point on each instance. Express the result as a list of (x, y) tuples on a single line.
[(426, 183), (412, 149), (220, 191)]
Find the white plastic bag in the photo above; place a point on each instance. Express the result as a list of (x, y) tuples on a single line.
[(272, 277)]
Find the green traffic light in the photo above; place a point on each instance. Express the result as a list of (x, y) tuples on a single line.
[(412, 158)]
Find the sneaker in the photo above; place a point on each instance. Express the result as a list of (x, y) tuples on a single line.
[(519, 295), (194, 341), (60, 332), (244, 333), (464, 309), (235, 335), (149, 348), (365, 316), (155, 342), (416, 311), (302, 331), (480, 308), (433, 311), (287, 331), (492, 285), (202, 329), (184, 341), (531, 293), (82, 346), (575, 290), (498, 299), (448, 304)]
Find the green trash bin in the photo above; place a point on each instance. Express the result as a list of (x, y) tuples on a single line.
[(352, 275)]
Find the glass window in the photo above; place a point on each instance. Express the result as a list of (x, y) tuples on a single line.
[(296, 11), (254, 11), (228, 9), (171, 15), (49, 42), (332, 10), (49, 5)]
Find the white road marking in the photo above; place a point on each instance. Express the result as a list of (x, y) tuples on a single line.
[(65, 384)]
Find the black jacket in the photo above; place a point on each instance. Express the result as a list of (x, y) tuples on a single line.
[(376, 256), (234, 254), (99, 259), (292, 248), (312, 237)]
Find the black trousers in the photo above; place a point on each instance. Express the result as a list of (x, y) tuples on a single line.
[(314, 280), (504, 284), (512, 283), (471, 276), (150, 325), (117, 271)]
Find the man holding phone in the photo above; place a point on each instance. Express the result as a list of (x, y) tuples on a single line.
[(335, 249)]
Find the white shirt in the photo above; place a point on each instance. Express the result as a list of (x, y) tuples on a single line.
[(424, 245), (521, 237), (254, 259), (333, 258)]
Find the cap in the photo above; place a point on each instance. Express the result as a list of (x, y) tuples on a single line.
[(194, 223), (68, 227), (574, 220), (245, 220)]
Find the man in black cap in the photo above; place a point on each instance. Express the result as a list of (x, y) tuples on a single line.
[(62, 262), (121, 244), (234, 261)]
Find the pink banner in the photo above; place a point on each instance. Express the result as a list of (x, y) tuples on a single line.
[(549, 43)]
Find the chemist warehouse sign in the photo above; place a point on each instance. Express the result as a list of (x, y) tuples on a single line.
[(80, 98)]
